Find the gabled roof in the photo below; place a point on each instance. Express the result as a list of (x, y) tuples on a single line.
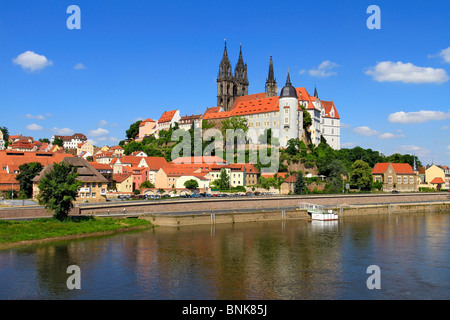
[(438, 180), (328, 106), (167, 116), (399, 168), (155, 163), (121, 177), (86, 172)]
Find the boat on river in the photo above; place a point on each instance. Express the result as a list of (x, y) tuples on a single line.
[(318, 212)]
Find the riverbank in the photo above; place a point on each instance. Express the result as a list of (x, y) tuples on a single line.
[(22, 233), (289, 213)]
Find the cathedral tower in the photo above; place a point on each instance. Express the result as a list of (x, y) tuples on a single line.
[(225, 82), (230, 87), (271, 83)]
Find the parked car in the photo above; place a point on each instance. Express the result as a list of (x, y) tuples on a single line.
[(395, 191)]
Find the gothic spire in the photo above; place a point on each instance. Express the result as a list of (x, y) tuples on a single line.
[(225, 65), (271, 84), (315, 92), (271, 76)]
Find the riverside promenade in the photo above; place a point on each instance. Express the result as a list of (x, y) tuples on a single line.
[(181, 211)]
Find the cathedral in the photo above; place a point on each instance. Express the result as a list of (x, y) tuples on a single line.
[(268, 110), (230, 86)]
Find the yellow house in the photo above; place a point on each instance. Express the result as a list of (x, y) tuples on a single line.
[(85, 147), (123, 182), (432, 174)]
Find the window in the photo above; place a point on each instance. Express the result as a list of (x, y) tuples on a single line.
[(275, 122), (286, 120), (389, 179), (286, 110), (405, 180), (411, 180), (399, 179), (258, 124), (93, 195)]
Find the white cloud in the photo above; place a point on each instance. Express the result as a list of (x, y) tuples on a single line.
[(31, 61), (63, 131), (388, 135), (407, 73), (102, 123), (448, 147), (325, 69), (346, 125), (417, 116), (445, 128), (365, 131), (79, 66), (33, 126), (445, 54), (39, 116), (98, 132), (412, 149)]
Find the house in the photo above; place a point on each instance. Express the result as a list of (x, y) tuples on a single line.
[(433, 172), (146, 128), (396, 176), (189, 122), (9, 183), (140, 174), (123, 182), (167, 120), (70, 142), (85, 146), (174, 176), (117, 150), (93, 186), (11, 160)]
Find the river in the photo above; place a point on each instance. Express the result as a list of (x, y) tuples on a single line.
[(287, 260)]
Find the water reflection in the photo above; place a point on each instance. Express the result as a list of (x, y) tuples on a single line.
[(267, 260)]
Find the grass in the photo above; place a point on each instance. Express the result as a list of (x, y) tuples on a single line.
[(15, 231)]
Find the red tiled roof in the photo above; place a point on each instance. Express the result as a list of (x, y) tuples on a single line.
[(167, 116), (328, 106), (438, 180), (14, 159), (155, 163), (121, 177), (399, 168), (145, 121)]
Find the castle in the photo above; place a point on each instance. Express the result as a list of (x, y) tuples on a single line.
[(268, 110), (282, 113)]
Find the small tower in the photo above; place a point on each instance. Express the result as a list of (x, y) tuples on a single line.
[(271, 83), (290, 115), (225, 82)]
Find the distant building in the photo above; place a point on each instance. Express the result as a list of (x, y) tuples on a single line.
[(146, 128), (70, 142), (396, 176), (94, 184)]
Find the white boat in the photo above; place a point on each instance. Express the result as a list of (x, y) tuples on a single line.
[(318, 212)]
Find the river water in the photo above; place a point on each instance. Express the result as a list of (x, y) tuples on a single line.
[(292, 259)]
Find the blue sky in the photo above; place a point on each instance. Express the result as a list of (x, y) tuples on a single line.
[(136, 59)]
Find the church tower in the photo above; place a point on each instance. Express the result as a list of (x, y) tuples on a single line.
[(225, 82), (240, 77), (271, 83)]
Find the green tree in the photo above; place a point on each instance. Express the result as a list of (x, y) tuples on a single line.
[(191, 184), (27, 173), (44, 140), (224, 180), (133, 131), (147, 185), (300, 184), (58, 189), (58, 142), (335, 170), (307, 121), (361, 175)]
